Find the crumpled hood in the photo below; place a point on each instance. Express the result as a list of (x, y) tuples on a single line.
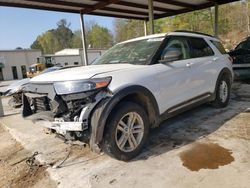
[(80, 73), (16, 86)]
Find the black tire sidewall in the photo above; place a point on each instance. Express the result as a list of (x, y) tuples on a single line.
[(218, 102), (109, 145)]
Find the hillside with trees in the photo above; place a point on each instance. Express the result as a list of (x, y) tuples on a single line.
[(233, 27), (63, 37)]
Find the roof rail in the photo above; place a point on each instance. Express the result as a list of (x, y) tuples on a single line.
[(195, 32)]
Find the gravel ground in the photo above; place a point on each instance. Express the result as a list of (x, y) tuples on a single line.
[(14, 172)]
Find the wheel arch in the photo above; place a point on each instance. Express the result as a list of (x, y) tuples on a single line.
[(224, 72), (137, 94)]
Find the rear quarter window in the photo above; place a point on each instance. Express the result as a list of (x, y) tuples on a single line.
[(199, 48), (219, 46)]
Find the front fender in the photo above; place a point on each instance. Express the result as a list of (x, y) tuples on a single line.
[(104, 108)]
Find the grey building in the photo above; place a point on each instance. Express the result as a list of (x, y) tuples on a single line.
[(15, 63)]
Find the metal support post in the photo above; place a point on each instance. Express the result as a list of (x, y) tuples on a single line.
[(145, 28), (85, 55), (151, 16), (216, 19)]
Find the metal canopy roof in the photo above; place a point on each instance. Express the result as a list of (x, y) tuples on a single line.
[(117, 8)]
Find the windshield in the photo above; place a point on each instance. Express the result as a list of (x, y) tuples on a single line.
[(136, 52)]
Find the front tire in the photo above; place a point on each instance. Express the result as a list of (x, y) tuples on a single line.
[(126, 131), (222, 92)]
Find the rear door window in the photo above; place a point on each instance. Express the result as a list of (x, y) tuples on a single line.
[(219, 46), (199, 47)]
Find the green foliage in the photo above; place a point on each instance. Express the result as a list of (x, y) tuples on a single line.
[(55, 39), (76, 41), (127, 29), (233, 27), (49, 42), (63, 34), (36, 45), (62, 37), (99, 37)]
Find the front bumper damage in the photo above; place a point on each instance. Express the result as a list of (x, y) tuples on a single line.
[(63, 113)]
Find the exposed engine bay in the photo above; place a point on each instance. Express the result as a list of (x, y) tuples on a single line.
[(67, 114)]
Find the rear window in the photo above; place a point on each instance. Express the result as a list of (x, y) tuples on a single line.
[(219, 46), (199, 48)]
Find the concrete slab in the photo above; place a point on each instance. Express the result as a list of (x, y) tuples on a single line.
[(160, 164)]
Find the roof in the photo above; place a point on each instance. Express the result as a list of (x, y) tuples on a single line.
[(160, 35), (116, 8), (176, 33), (21, 50), (74, 51)]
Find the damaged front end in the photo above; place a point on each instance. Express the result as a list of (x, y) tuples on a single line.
[(66, 106)]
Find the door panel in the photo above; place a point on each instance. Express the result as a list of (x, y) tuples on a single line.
[(175, 83), (204, 66), (174, 77)]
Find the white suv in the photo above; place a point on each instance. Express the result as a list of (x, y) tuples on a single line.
[(133, 87)]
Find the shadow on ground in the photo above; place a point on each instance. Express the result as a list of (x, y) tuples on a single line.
[(190, 127)]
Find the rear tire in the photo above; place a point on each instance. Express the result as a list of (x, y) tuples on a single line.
[(126, 131), (222, 93)]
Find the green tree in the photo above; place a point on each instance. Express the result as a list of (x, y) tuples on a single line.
[(36, 45), (63, 34), (76, 41), (99, 37), (62, 37), (127, 29), (55, 39), (49, 42)]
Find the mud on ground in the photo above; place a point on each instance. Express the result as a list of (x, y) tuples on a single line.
[(14, 172)]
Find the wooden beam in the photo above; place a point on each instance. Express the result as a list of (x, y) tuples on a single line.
[(185, 10), (38, 7), (141, 6), (64, 3), (99, 5), (125, 11), (177, 3), (83, 6)]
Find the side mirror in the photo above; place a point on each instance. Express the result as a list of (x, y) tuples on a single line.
[(172, 55)]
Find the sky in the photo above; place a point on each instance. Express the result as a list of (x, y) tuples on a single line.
[(20, 27)]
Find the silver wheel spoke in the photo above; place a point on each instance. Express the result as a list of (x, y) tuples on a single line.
[(131, 143), (122, 141), (122, 126), (131, 119), (130, 134), (133, 140), (223, 91), (137, 129)]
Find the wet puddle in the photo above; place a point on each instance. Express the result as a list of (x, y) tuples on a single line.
[(206, 156)]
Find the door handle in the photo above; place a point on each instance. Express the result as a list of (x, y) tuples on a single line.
[(189, 64)]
